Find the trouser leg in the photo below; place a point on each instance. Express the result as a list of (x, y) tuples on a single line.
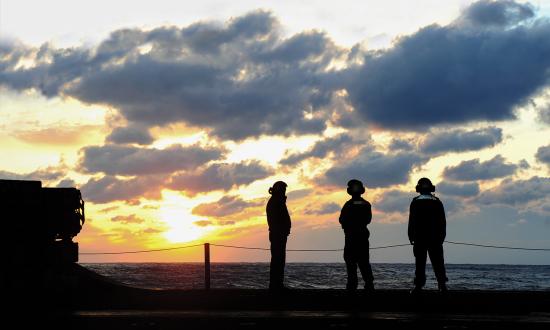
[(278, 256), (365, 267), (351, 268), (438, 262), (420, 254)]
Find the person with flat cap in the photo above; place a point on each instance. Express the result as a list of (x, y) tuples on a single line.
[(427, 230), (356, 214), (279, 224)]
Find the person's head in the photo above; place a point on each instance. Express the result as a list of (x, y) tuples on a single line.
[(278, 188), (425, 186), (355, 187)]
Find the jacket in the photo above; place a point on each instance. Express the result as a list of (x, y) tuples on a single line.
[(356, 214), (427, 222), (278, 218)]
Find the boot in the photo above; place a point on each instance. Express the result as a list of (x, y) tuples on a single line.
[(416, 290), (369, 287)]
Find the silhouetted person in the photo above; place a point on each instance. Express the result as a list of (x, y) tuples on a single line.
[(427, 230), (354, 218), (278, 220)]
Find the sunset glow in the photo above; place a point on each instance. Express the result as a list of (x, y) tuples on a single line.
[(174, 123)]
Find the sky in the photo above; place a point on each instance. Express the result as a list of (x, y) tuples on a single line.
[(174, 118)]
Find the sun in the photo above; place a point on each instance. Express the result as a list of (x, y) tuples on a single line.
[(175, 212)]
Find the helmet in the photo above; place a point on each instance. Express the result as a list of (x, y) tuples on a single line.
[(424, 185), (355, 187), (277, 186)]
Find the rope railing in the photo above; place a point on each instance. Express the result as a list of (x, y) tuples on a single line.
[(312, 250), (207, 251), (142, 251), (498, 246)]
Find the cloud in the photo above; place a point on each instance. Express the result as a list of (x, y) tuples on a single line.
[(326, 208), (500, 13), (458, 189), (454, 74), (245, 79), (472, 170), (206, 223), (220, 176), (130, 134), (128, 160), (394, 201), (109, 188), (227, 205), (544, 113), (56, 135), (237, 80), (109, 209), (543, 155), (300, 193), (460, 140), (400, 145), (375, 169), (320, 149), (66, 183), (127, 219), (48, 174), (517, 192)]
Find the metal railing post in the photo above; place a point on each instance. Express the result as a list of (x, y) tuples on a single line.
[(207, 266)]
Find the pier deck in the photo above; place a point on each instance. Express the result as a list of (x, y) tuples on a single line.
[(94, 302)]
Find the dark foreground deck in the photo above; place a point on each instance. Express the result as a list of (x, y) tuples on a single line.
[(93, 302)]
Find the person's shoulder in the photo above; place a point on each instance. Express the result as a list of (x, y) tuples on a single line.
[(366, 201), (360, 201), (429, 197)]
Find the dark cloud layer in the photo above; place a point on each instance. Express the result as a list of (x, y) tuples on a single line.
[(517, 192), (471, 170), (220, 176), (401, 145), (458, 189), (375, 169), (543, 155), (127, 160), (244, 79), (460, 140), (320, 149), (500, 13), (394, 201), (455, 73), (237, 80), (326, 208), (130, 134), (109, 189), (227, 205)]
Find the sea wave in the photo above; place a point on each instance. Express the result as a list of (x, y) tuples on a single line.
[(321, 276)]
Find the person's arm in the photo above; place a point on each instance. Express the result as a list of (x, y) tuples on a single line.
[(411, 228), (368, 215), (443, 222), (269, 215), (343, 216), (286, 219)]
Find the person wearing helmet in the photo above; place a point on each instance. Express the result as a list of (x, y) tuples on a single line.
[(356, 214), (427, 230), (279, 224)]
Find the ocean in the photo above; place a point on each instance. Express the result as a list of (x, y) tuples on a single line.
[(322, 276)]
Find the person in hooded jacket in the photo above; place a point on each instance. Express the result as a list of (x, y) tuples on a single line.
[(356, 214), (427, 231), (278, 220)]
